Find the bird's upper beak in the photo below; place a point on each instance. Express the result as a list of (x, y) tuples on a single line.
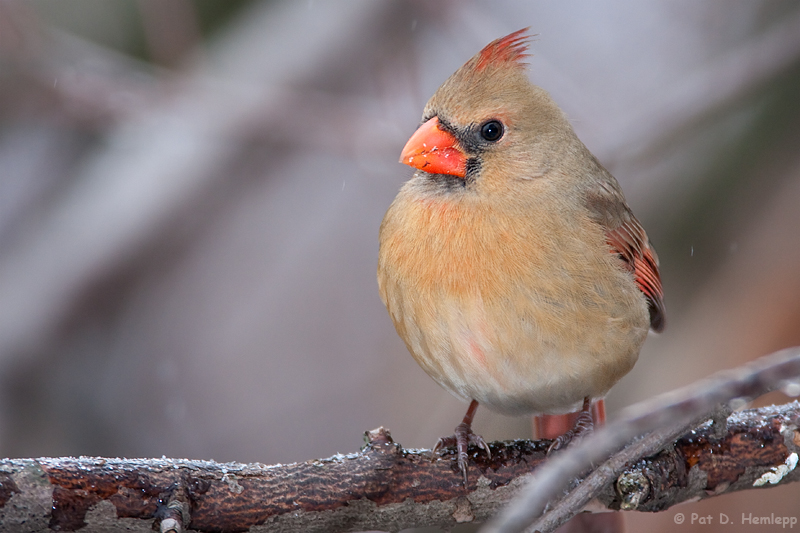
[(434, 150)]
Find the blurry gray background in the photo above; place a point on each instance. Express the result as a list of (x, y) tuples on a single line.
[(190, 195)]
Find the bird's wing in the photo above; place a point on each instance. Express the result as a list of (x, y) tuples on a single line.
[(630, 243), (627, 238)]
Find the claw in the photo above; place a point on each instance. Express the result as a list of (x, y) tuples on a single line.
[(462, 439), (584, 425)]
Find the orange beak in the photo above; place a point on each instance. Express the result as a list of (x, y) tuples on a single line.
[(434, 150)]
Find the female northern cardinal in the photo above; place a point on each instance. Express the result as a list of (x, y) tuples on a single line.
[(510, 263)]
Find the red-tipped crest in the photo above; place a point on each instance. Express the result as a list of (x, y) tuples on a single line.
[(509, 49)]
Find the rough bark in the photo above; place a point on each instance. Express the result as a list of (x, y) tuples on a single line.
[(701, 465), (382, 487)]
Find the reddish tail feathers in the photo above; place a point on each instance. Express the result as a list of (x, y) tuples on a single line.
[(552, 426)]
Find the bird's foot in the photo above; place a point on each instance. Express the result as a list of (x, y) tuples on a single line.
[(462, 439), (584, 425)]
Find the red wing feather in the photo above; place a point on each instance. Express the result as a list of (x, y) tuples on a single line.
[(630, 242)]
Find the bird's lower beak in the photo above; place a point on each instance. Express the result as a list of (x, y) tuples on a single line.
[(434, 150)]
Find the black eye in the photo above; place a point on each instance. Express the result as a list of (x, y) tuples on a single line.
[(492, 130)]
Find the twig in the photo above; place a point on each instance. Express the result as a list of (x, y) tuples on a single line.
[(668, 410), (561, 510), (589, 488)]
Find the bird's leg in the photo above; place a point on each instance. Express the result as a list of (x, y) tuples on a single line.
[(584, 425), (463, 438)]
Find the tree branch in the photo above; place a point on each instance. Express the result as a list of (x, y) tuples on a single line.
[(387, 487), (382, 487)]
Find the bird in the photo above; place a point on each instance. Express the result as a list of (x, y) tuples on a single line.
[(510, 262)]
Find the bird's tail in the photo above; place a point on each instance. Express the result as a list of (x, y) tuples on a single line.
[(552, 426)]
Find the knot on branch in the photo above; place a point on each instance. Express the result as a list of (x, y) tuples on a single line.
[(173, 515), (380, 440)]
